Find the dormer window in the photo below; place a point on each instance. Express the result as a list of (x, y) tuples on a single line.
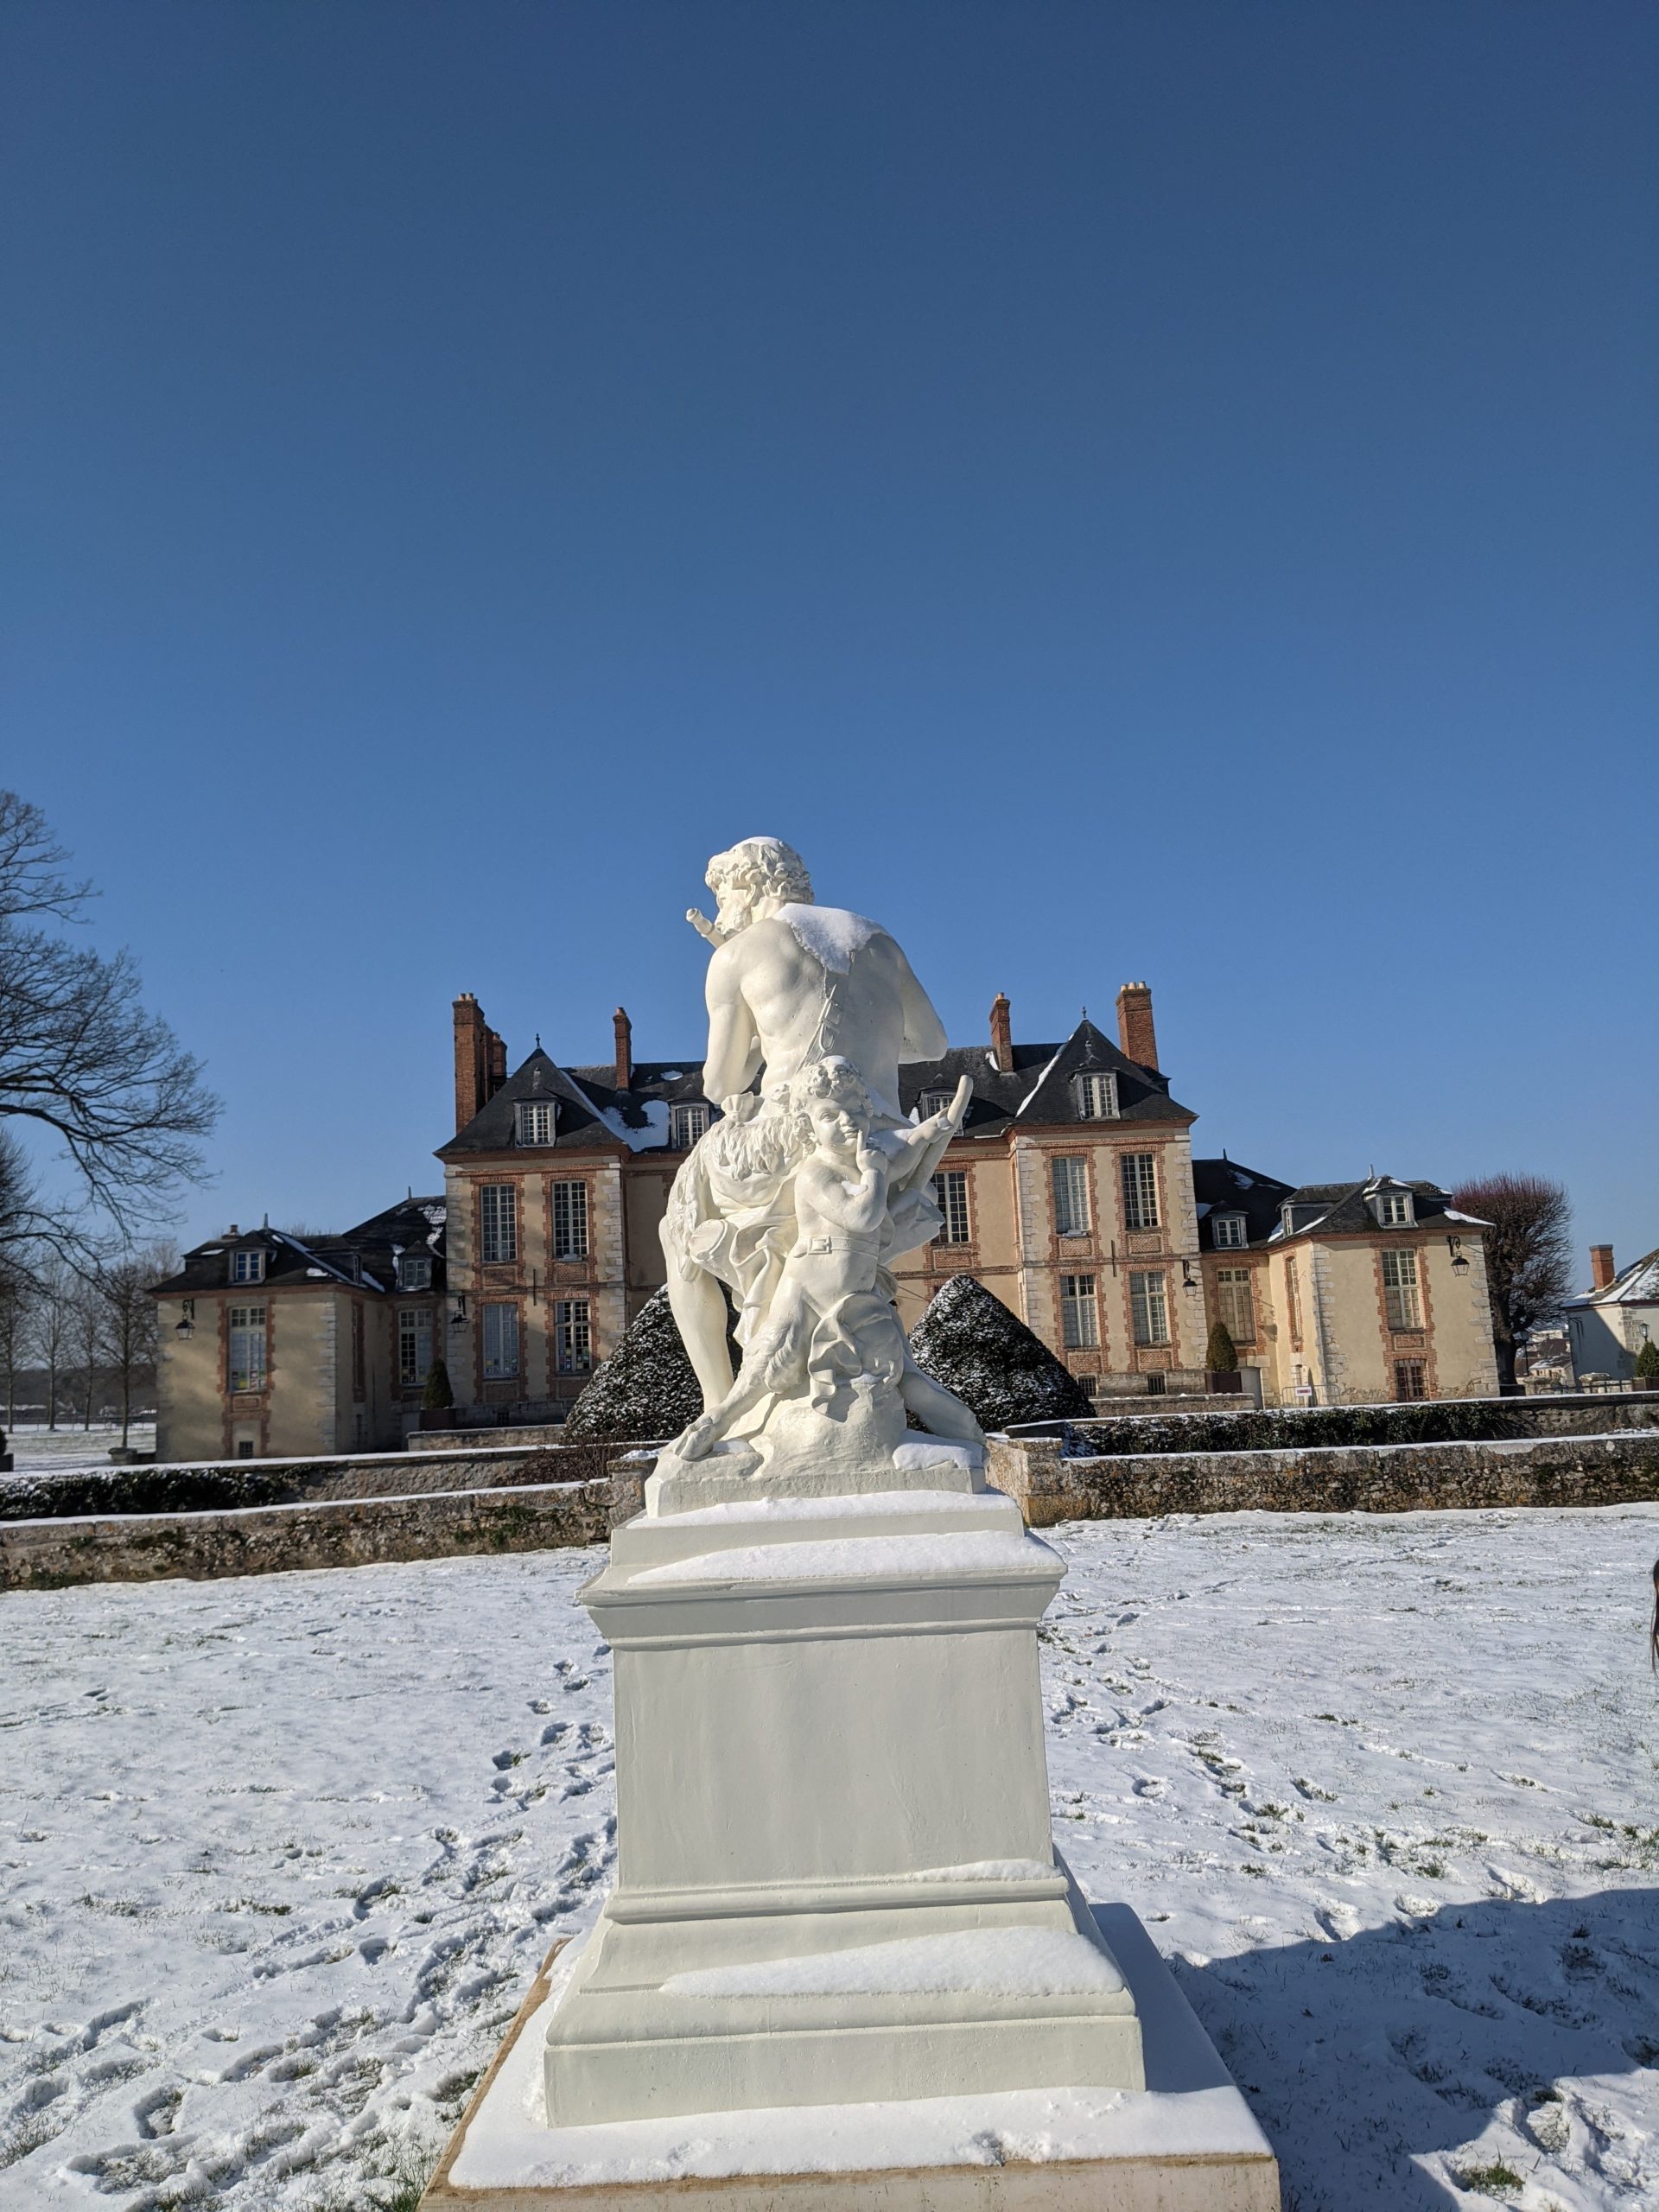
[(686, 1124), (1097, 1097), (935, 1102), (1393, 1209), (1227, 1232), (247, 1267), (414, 1271), (535, 1117)]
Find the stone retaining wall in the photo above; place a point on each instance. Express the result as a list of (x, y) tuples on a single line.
[(277, 1539), (1605, 1470), (204, 1486)]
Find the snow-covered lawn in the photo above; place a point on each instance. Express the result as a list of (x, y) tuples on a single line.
[(280, 1855), (36, 1449)]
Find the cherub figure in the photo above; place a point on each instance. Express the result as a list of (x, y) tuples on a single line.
[(831, 1317)]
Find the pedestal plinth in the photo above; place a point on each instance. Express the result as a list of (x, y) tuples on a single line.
[(836, 1882)]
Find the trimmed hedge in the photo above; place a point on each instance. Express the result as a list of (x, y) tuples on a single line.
[(1437, 1421)]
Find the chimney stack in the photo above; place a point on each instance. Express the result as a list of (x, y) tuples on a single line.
[(1134, 1031), (1002, 1033), (481, 1060), (470, 1060), (624, 1049), (1601, 1266)]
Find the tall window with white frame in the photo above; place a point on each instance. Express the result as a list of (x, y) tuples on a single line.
[(1079, 1315), (950, 1194), (1401, 1295), (498, 1328), (1236, 1304), (686, 1124), (1097, 1097), (1138, 1173), (1068, 1181), (1409, 1385), (414, 1345), (570, 1221), (498, 1217), (573, 1341), (247, 1367), (1148, 1307)]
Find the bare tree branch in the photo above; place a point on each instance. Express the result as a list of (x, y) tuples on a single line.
[(1528, 1256), (83, 1060)]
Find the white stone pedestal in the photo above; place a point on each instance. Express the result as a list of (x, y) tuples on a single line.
[(836, 1877)]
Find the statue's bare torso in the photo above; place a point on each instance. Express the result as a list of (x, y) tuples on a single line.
[(774, 1001)]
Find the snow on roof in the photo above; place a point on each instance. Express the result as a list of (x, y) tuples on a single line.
[(1040, 1081), (1638, 1286)]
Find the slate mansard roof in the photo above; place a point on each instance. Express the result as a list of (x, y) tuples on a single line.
[(590, 1109), (364, 1257), (1223, 1187)]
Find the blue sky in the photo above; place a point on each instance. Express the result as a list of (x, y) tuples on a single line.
[(1157, 489)]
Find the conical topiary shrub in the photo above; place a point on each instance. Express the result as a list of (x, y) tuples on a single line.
[(439, 1393), (646, 1390), (1221, 1356), (1646, 1365), (968, 1341)]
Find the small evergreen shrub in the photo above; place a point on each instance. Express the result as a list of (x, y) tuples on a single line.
[(968, 1341), (1221, 1355), (439, 1396), (647, 1390), (1647, 1364)]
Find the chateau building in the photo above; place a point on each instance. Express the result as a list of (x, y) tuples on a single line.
[(274, 1346), (1070, 1193)]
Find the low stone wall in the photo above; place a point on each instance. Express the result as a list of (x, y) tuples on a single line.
[(278, 1539), (203, 1486), (1605, 1470)]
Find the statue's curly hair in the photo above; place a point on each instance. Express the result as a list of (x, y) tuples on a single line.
[(765, 867)]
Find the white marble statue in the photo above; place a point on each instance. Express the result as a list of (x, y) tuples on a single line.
[(798, 1199)]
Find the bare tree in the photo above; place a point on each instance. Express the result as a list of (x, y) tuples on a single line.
[(52, 1324), (86, 1332), (80, 1058), (1528, 1256), (130, 1321), (17, 1295)]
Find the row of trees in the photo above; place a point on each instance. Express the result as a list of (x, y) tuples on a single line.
[(79, 1343), (102, 1116)]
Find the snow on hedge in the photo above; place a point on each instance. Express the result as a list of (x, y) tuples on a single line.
[(970, 1342)]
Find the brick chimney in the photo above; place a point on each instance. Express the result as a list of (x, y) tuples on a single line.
[(1134, 1031), (471, 1066), (1002, 1033), (498, 1074), (1601, 1266), (624, 1049)]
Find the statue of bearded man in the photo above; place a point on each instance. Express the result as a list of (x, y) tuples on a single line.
[(790, 984)]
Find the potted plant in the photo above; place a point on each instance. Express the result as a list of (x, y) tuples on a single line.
[(1221, 1361), (438, 1405)]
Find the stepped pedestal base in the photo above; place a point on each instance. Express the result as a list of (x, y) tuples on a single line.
[(1187, 2143)]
